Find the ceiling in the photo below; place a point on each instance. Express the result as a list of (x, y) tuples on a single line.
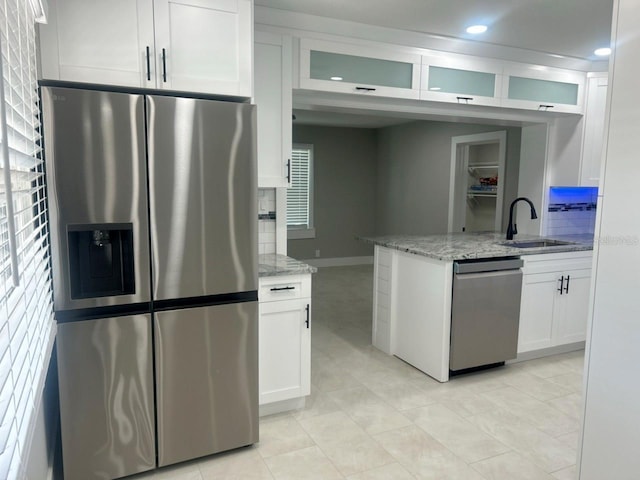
[(573, 28)]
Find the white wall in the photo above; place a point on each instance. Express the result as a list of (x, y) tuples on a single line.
[(611, 431)]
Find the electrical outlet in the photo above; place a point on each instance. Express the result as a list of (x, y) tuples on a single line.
[(317, 253)]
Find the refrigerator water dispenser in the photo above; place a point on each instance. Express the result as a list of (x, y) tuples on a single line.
[(101, 260)]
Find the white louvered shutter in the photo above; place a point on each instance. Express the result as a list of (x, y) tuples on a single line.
[(26, 321), (299, 201)]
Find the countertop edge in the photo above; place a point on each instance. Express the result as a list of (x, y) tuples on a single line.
[(481, 246), (276, 265)]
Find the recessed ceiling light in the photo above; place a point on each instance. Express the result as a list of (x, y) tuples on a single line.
[(476, 29), (337, 79), (602, 52)]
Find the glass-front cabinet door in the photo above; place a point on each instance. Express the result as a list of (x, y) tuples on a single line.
[(347, 68), (544, 89), (460, 79)]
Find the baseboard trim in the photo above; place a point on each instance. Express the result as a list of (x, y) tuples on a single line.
[(339, 261), (282, 406), (546, 352)]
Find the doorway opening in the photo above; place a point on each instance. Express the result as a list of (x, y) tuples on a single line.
[(477, 178)]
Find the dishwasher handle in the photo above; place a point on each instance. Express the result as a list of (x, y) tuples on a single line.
[(487, 266), (487, 275)]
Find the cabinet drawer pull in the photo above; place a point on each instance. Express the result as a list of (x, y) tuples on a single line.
[(279, 289), (148, 64), (561, 285), (566, 288), (464, 100), (164, 65), (307, 320), (544, 108), (366, 89)]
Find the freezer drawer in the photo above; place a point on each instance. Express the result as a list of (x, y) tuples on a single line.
[(206, 380), (106, 397), (485, 315)]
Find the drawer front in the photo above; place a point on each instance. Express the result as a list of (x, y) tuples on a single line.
[(288, 287), (557, 262)]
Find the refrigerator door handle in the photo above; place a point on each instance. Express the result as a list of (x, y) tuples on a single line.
[(164, 65), (148, 64), (307, 320)]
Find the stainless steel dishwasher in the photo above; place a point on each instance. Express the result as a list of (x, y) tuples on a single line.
[(485, 312)]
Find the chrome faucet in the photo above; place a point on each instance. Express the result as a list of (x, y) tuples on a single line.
[(512, 229)]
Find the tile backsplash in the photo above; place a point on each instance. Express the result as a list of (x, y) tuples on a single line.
[(267, 220), (571, 211)]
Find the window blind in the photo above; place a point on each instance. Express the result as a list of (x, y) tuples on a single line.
[(299, 200), (26, 320)]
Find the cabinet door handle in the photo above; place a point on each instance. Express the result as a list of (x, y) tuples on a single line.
[(566, 288), (279, 289), (289, 170), (544, 108), (307, 320), (464, 100), (148, 64), (561, 285), (365, 89), (164, 65)]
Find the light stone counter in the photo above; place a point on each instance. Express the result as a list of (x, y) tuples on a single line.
[(274, 264), (460, 246)]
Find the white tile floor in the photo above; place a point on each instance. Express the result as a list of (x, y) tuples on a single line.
[(371, 416)]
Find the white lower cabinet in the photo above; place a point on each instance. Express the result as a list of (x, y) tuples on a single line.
[(555, 300), (284, 342)]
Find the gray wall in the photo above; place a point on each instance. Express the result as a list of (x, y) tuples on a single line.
[(412, 194), (344, 191)]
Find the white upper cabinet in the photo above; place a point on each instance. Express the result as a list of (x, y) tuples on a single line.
[(190, 45), (594, 118), (460, 79), (543, 88), (204, 45), (347, 68), (99, 42), (437, 76), (272, 95)]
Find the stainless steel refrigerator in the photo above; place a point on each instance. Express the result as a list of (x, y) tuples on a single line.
[(153, 216)]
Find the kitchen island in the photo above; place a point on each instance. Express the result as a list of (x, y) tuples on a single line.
[(413, 281)]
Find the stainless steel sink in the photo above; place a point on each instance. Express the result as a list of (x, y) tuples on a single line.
[(543, 242)]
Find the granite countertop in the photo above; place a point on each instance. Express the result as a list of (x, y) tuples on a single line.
[(275, 264), (460, 246)]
